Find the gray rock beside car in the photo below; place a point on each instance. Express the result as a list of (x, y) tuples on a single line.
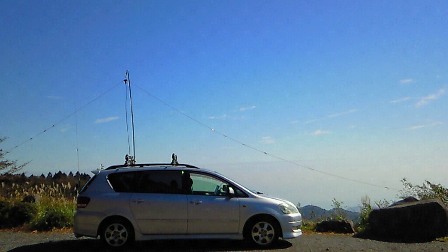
[(414, 221)]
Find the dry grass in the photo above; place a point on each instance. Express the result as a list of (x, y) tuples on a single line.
[(54, 208)]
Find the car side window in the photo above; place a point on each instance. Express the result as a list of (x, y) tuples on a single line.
[(168, 182), (207, 185), (122, 182)]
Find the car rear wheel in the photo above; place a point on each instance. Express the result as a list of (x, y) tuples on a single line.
[(263, 232), (117, 233)]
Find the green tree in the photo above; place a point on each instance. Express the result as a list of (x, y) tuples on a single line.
[(427, 190), (8, 166)]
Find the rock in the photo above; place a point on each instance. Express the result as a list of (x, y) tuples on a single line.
[(404, 201), (417, 221), (335, 226)]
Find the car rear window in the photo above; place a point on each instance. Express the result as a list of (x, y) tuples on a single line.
[(168, 182), (123, 181), (84, 188)]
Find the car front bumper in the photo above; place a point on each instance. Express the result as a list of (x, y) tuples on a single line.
[(291, 226)]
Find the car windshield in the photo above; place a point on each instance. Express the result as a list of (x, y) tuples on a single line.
[(238, 184)]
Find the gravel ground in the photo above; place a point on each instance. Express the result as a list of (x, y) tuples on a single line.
[(65, 241)]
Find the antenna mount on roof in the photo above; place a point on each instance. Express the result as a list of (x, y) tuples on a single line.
[(174, 159), (129, 160)]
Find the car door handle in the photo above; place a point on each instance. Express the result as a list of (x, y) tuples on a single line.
[(139, 201), (198, 202)]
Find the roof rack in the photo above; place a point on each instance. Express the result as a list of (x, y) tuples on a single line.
[(151, 164)]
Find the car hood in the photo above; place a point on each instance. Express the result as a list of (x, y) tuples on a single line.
[(278, 200)]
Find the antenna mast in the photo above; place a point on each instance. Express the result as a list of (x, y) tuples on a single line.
[(127, 82)]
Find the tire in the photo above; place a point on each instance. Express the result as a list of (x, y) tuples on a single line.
[(117, 233), (263, 232)]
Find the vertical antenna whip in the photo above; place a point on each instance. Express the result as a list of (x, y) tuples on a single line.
[(127, 117), (127, 81), (78, 185)]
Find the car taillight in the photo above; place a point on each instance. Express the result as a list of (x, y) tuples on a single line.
[(82, 202)]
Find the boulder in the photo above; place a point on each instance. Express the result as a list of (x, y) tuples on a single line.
[(335, 226), (404, 201), (416, 221)]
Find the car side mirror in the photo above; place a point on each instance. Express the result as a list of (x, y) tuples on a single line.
[(228, 190), (231, 192)]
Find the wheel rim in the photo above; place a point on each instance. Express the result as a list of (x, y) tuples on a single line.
[(263, 233), (116, 235)]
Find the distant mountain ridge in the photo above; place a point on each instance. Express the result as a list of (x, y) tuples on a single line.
[(315, 213)]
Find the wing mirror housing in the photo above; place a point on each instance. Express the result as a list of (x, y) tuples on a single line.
[(228, 190)]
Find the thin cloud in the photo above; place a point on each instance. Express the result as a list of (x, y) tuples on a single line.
[(106, 119), (233, 115), (400, 100), (221, 117), (422, 126), (331, 116), (342, 113), (242, 109), (314, 120), (429, 98), (320, 132), (407, 81)]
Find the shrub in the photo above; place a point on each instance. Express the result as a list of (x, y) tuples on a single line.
[(50, 218), (14, 214), (366, 209), (21, 213), (427, 190), (53, 208), (4, 213), (308, 225), (338, 213)]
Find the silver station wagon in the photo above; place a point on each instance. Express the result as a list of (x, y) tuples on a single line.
[(125, 203)]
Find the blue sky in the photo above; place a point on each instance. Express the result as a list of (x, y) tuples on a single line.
[(332, 91)]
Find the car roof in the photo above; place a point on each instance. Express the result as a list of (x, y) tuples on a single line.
[(155, 165), (146, 167)]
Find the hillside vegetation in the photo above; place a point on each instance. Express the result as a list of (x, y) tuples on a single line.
[(39, 202)]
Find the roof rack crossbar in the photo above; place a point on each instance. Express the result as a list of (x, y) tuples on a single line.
[(150, 164)]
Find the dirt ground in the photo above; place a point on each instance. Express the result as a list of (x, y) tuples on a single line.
[(65, 241)]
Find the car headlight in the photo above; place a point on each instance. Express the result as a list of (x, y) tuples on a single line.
[(287, 208)]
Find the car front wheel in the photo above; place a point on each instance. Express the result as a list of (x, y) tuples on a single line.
[(263, 232), (117, 233)]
